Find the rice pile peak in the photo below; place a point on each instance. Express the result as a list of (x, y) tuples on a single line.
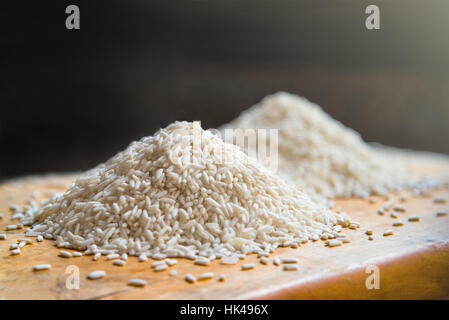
[(172, 194), (319, 154)]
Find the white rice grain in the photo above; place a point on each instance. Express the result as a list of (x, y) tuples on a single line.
[(229, 260), (94, 275), (65, 254), (134, 282), (205, 276), (41, 267), (157, 263), (248, 266), (201, 261), (112, 256), (289, 267), (161, 267), (439, 200), (142, 257), (173, 272), (289, 260), (190, 278), (171, 262), (263, 260), (333, 243), (119, 262)]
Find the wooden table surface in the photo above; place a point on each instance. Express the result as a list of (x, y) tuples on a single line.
[(413, 263)]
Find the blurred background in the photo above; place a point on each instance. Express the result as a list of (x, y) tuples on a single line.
[(70, 99)]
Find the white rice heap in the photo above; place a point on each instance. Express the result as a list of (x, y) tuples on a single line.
[(319, 154), (168, 194)]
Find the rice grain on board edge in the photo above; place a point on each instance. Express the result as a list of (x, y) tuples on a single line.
[(319, 154), (173, 194)]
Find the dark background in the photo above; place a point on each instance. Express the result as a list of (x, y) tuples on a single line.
[(72, 98)]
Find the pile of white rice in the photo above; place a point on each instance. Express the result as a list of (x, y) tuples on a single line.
[(319, 154), (173, 194)]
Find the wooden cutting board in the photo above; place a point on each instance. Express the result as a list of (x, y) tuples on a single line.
[(413, 263)]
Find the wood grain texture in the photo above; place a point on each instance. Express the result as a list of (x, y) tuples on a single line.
[(413, 263)]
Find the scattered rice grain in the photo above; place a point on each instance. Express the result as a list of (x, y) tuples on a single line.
[(173, 272), (161, 267), (248, 266), (333, 243), (205, 276), (399, 209), (202, 261), (190, 278), (290, 267), (289, 260), (439, 214), (158, 256), (65, 254), (134, 282), (229, 260), (22, 244), (42, 267), (143, 257), (439, 200), (98, 274), (157, 263), (171, 262), (112, 256)]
